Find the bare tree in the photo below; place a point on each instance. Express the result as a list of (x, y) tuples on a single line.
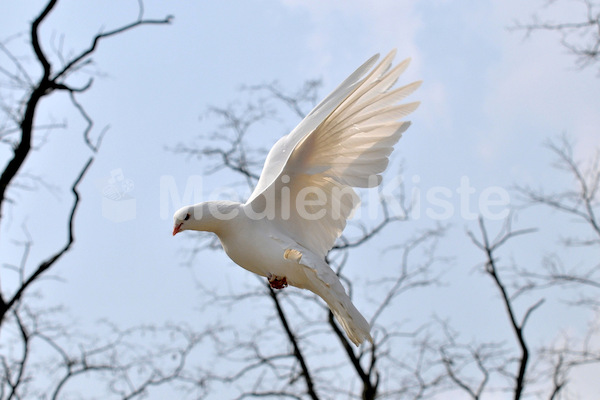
[(478, 367), (522, 367), (581, 204), (41, 355), (49, 359), (20, 126), (517, 323)]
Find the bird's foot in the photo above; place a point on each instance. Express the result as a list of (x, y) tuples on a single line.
[(277, 282)]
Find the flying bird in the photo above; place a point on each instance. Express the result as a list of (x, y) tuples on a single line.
[(305, 192)]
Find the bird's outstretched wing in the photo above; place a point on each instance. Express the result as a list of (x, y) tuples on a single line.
[(306, 183), (281, 151)]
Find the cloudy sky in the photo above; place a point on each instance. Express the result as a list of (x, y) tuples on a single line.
[(489, 101)]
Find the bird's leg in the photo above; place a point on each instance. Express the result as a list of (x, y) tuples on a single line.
[(277, 282)]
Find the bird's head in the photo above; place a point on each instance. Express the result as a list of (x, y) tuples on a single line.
[(208, 216), (182, 218)]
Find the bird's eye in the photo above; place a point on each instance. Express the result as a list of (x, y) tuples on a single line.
[(187, 216)]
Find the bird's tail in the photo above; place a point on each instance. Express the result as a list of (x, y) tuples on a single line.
[(356, 326), (321, 280)]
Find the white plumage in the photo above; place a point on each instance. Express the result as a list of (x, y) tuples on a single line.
[(304, 195)]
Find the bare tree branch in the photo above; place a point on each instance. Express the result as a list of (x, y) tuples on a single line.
[(126, 359), (581, 38), (21, 327), (90, 123), (582, 203), (5, 305), (47, 84), (491, 269), (310, 389), (306, 95)]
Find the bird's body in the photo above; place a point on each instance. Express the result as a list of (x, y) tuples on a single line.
[(304, 195), (261, 255)]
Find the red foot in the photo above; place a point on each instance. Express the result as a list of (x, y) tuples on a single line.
[(277, 282)]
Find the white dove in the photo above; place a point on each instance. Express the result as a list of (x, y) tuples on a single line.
[(304, 195)]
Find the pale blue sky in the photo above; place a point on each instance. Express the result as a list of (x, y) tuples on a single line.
[(489, 100)]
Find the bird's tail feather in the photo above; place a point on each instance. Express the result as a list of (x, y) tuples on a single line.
[(321, 280), (355, 325)]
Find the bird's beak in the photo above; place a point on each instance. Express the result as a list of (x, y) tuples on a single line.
[(177, 229)]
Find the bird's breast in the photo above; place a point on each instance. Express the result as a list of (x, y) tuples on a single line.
[(256, 249), (253, 249)]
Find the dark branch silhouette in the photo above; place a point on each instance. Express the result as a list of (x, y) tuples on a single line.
[(492, 270), (42, 355), (124, 359), (310, 387), (6, 305), (24, 118)]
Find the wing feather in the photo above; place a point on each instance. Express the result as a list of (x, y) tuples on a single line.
[(346, 143), (281, 151)]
